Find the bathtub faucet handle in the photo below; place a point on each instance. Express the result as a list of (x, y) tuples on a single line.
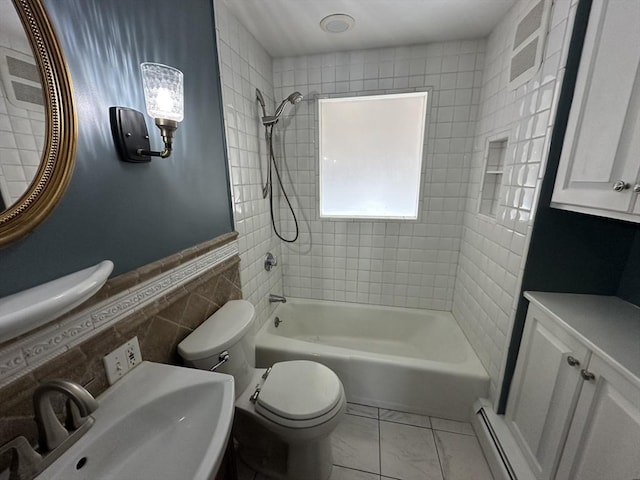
[(270, 261)]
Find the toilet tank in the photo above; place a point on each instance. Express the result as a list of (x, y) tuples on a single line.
[(227, 329)]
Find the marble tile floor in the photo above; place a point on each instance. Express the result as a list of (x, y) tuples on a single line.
[(377, 444)]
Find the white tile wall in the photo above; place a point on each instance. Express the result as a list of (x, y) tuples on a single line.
[(493, 250), (408, 264), (21, 137), (245, 66)]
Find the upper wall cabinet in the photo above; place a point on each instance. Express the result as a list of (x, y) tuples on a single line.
[(599, 170)]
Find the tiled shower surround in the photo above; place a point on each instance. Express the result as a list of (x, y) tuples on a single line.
[(245, 66), (452, 258), (397, 263)]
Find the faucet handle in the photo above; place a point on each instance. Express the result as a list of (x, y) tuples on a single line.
[(24, 464), (74, 418)]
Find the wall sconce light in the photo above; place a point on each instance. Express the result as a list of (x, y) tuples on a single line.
[(164, 98)]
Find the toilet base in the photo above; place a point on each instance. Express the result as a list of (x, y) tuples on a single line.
[(266, 453), (312, 461)]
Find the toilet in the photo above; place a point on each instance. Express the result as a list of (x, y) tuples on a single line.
[(284, 414)]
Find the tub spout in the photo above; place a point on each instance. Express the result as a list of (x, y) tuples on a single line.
[(276, 298)]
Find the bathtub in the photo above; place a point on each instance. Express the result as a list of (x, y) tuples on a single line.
[(416, 361)]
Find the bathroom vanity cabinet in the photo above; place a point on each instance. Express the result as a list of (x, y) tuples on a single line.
[(599, 169), (574, 404)]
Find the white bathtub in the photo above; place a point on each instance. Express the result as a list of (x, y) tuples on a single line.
[(398, 358)]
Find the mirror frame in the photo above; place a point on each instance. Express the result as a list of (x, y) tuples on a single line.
[(58, 157)]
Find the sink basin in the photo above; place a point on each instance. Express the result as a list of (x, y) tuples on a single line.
[(158, 422)]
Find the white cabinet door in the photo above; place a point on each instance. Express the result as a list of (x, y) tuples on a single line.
[(602, 142), (544, 391), (604, 439)]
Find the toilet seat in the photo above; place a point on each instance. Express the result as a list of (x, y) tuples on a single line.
[(300, 394)]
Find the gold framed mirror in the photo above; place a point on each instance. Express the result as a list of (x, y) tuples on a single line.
[(54, 171)]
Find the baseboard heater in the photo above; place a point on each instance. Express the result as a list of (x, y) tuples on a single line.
[(498, 444)]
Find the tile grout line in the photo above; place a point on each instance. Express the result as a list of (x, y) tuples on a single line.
[(379, 444), (435, 443)]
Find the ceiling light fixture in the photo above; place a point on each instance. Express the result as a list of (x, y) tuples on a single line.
[(337, 23)]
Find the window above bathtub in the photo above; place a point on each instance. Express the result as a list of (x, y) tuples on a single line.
[(370, 152)]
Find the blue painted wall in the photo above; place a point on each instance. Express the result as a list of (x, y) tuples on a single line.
[(629, 287), (132, 214)]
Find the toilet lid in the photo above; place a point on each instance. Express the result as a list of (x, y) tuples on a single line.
[(300, 390)]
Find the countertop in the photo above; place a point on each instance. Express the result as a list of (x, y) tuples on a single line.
[(608, 325)]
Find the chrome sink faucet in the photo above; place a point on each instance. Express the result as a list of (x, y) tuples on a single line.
[(51, 433), (276, 298)]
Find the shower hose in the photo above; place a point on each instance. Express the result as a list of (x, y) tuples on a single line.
[(268, 188)]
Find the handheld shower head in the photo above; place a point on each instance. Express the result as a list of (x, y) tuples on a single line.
[(294, 98)]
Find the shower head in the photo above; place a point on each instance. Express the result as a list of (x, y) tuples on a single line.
[(294, 98)]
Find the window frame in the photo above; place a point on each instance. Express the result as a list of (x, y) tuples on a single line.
[(423, 91)]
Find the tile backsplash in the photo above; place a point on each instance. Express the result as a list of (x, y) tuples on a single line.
[(159, 326)]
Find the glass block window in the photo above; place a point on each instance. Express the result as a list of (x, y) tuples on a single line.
[(370, 151)]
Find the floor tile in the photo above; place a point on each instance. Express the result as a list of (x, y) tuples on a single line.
[(461, 457), (341, 473), (355, 444), (408, 452), (406, 418), (452, 426), (362, 410)]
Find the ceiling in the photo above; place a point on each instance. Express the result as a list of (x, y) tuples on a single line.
[(291, 27)]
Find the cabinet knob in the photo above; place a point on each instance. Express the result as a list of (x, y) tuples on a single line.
[(620, 186), (573, 361), (587, 375), (636, 188)]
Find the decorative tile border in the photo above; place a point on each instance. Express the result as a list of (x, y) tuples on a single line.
[(24, 355)]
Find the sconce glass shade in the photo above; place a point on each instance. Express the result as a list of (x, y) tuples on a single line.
[(163, 91)]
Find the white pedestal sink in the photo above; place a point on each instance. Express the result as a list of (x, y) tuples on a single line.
[(158, 422)]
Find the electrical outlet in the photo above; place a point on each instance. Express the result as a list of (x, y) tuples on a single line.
[(132, 352), (122, 359)]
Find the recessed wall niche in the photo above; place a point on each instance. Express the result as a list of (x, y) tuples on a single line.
[(495, 154)]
